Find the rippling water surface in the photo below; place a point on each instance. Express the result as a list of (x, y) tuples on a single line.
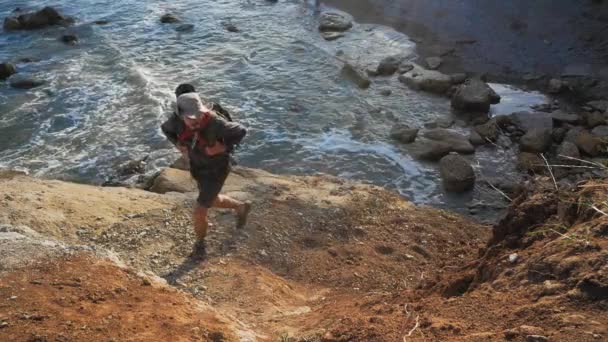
[(105, 98)]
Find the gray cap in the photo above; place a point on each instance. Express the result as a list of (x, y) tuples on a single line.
[(190, 105)]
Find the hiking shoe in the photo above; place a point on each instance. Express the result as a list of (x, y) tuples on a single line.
[(242, 214), (199, 250)]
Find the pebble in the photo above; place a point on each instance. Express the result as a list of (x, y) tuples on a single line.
[(13, 298), (536, 338), (513, 258)]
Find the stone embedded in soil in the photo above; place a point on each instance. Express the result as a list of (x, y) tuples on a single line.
[(474, 95), (433, 62), (536, 338), (334, 21), (536, 141), (6, 70), (403, 133), (457, 173), (355, 75)]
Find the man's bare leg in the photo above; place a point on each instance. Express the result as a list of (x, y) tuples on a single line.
[(201, 224), (242, 208)]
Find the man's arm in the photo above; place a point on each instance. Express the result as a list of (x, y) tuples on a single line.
[(170, 129), (229, 132)]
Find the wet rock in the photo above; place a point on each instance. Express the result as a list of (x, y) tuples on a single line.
[(431, 150), (11, 24), (403, 133), (405, 67), (355, 75), (536, 141), (458, 78), (101, 22), (426, 80), (594, 119), (133, 167), (476, 139), (530, 162), (601, 105), (329, 36), (45, 17), (474, 95), (600, 131), (169, 18), (433, 63), (6, 70), (459, 143), (230, 27), (589, 144), (526, 121), (488, 131), (570, 150), (173, 180), (560, 116), (69, 39), (185, 28), (555, 86), (389, 65), (25, 82), (385, 92), (334, 21), (456, 173)]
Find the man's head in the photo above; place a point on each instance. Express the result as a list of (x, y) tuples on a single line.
[(184, 88), (190, 108)]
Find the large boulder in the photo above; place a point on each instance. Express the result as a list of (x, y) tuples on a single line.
[(457, 173), (334, 21), (536, 141), (404, 133), (6, 70), (474, 95), (45, 17), (355, 75), (432, 81), (173, 180)]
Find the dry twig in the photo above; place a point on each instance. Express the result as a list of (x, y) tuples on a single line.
[(550, 171), (413, 329)]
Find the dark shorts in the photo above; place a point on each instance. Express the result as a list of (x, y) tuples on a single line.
[(209, 185)]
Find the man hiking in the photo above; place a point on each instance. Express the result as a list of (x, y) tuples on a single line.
[(206, 138)]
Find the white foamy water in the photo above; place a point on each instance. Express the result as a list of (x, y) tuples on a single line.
[(104, 99)]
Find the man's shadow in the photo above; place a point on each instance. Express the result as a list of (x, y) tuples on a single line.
[(191, 262)]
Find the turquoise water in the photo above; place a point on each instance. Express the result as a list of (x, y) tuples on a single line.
[(105, 98)]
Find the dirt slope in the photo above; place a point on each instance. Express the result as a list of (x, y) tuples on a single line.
[(322, 259)]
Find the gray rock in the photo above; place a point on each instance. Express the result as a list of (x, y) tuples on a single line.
[(433, 62), (430, 150), (526, 121), (536, 338), (11, 24), (334, 21), (169, 18), (456, 173), (536, 141), (355, 75), (568, 149), (601, 105), (600, 131), (230, 27), (559, 134), (530, 162), (329, 36), (474, 95), (441, 142), (25, 82), (561, 116), (476, 139), (555, 86), (6, 70), (389, 65), (404, 133), (385, 92), (595, 119), (405, 67), (185, 28), (101, 22), (427, 80), (458, 78), (572, 134)]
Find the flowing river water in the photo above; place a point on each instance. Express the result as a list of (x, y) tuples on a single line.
[(104, 99)]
